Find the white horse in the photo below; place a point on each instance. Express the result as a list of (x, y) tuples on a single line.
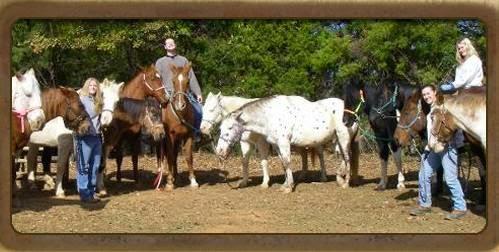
[(26, 98), (287, 121), (216, 108), (55, 134), (110, 93)]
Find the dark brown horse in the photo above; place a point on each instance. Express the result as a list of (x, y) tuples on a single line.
[(129, 113), (178, 119), (152, 126)]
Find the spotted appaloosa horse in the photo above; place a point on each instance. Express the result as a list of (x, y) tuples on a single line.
[(287, 121), (178, 120), (465, 110), (129, 113), (217, 107), (380, 103)]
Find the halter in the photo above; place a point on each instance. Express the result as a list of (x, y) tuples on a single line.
[(356, 111), (408, 126), (152, 89), (213, 122), (442, 122), (23, 113), (392, 101), (78, 119), (175, 94)]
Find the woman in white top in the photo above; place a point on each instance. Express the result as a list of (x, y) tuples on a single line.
[(469, 72)]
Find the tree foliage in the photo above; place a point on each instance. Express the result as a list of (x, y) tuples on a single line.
[(251, 58)]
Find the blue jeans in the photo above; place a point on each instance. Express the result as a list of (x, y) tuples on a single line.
[(89, 151), (198, 112), (448, 160)]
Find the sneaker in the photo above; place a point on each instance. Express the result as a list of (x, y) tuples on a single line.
[(455, 214), (418, 211)]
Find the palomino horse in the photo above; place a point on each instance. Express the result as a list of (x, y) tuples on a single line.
[(412, 123), (55, 134), (217, 107), (129, 113), (287, 121), (380, 105), (178, 120), (27, 113)]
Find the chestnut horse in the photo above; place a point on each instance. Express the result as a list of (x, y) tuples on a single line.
[(129, 113), (178, 120)]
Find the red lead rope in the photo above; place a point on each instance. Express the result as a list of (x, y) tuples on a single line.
[(21, 114)]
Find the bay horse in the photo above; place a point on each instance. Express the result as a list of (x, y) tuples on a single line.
[(217, 107), (55, 134), (380, 103), (129, 113), (152, 126), (178, 121), (412, 123), (287, 121)]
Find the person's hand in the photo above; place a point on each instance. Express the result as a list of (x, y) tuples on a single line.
[(425, 154), (447, 88), (200, 99)]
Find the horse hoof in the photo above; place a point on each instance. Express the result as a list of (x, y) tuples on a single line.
[(103, 193), (287, 189), (264, 186), (323, 179), (169, 188), (194, 186), (60, 195), (400, 187), (380, 188)]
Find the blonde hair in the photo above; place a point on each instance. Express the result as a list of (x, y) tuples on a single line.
[(470, 49), (98, 100)]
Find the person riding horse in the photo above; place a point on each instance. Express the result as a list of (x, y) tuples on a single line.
[(195, 96)]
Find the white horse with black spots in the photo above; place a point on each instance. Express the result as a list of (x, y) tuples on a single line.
[(55, 134), (287, 121), (216, 108)]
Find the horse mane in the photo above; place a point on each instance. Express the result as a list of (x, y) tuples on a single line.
[(256, 103), (133, 107)]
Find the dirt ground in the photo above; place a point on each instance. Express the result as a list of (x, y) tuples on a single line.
[(214, 207)]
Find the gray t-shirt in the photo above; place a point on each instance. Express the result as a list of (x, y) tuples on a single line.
[(88, 103), (163, 66)]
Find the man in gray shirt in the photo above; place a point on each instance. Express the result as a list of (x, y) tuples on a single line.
[(163, 66)]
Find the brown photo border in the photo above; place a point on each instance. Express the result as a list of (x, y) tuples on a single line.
[(486, 11)]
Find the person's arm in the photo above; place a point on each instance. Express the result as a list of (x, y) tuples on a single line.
[(194, 85)]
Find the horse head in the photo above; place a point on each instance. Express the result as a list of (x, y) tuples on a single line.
[(154, 86), (181, 87), (26, 98), (443, 128), (73, 112), (110, 95), (412, 119), (231, 130), (153, 125), (212, 113)]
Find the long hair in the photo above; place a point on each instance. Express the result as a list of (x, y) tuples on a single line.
[(470, 49), (98, 100)]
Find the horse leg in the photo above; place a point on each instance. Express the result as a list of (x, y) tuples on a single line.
[(101, 188), (46, 160), (135, 158), (119, 160), (32, 162), (170, 156), (355, 154), (397, 156), (344, 142), (285, 156), (383, 156), (246, 150), (188, 158), (263, 153), (65, 146), (304, 162)]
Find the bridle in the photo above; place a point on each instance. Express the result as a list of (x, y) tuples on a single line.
[(392, 101), (416, 118), (77, 118), (154, 90), (442, 123)]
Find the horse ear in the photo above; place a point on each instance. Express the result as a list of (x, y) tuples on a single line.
[(187, 67), (219, 93), (440, 98)]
